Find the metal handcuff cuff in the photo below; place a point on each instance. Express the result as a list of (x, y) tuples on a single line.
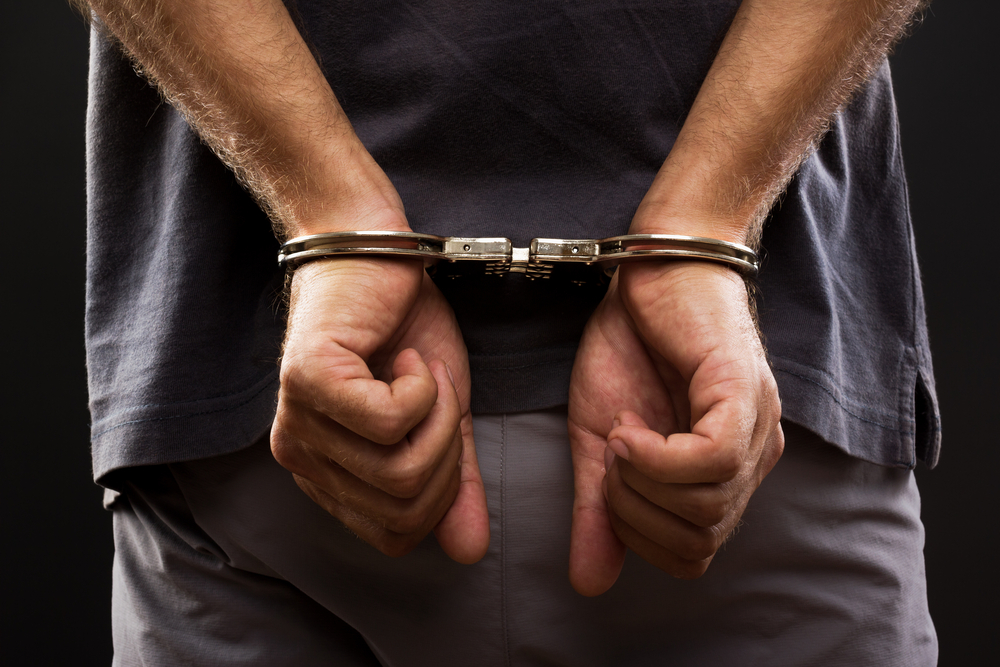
[(498, 256)]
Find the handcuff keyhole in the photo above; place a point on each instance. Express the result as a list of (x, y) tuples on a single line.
[(467, 247), (575, 249)]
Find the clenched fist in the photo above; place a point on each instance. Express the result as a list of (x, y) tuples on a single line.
[(673, 420), (373, 412)]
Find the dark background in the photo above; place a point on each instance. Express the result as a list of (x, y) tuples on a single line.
[(57, 550)]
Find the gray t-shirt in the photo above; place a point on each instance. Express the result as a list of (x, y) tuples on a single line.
[(546, 119)]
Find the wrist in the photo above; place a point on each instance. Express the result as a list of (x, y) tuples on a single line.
[(345, 190), (351, 295), (679, 274), (656, 216), (361, 215), (698, 192), (679, 288)]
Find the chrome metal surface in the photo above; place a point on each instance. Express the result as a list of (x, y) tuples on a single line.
[(501, 257)]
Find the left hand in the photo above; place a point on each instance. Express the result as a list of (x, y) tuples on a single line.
[(373, 415), (673, 421)]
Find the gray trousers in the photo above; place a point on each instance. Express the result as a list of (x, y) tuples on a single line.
[(224, 561)]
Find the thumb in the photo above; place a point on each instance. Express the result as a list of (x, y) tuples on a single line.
[(464, 532), (596, 555)]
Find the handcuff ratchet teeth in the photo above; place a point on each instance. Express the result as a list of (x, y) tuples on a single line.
[(535, 261)]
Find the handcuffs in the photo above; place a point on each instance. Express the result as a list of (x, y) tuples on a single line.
[(498, 256)]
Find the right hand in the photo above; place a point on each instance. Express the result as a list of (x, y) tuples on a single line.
[(674, 421), (373, 412)]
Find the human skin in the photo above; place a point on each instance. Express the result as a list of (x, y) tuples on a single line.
[(673, 413), (673, 410), (368, 418)]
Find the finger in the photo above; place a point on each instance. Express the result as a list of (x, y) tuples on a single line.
[(709, 504), (404, 516), (596, 554), (374, 515), (440, 432), (385, 521), (401, 469), (658, 555), (703, 505), (338, 383), (464, 532), (366, 528), (680, 457), (681, 537), (683, 458), (391, 544), (706, 505)]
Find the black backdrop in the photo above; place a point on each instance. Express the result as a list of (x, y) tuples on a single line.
[(57, 549)]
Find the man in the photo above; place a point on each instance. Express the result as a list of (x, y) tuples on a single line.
[(486, 120)]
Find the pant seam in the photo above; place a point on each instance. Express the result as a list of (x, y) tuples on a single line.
[(503, 542)]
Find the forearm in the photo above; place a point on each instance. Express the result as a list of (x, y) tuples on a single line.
[(783, 69), (245, 79)]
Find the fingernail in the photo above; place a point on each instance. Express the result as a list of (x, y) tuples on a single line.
[(448, 368), (609, 458), (618, 447), (615, 423)]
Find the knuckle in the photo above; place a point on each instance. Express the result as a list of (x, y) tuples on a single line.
[(768, 385), (404, 479), (391, 427), (293, 375), (712, 508), (774, 403), (287, 453), (774, 453), (727, 462), (409, 522), (779, 443), (401, 486), (289, 423), (700, 546)]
